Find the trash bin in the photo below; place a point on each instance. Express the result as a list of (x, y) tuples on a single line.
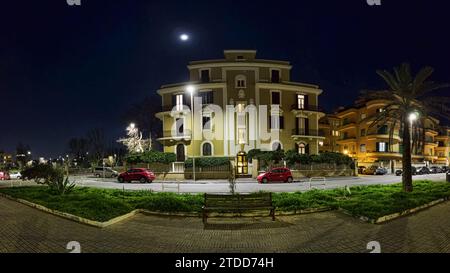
[(448, 176)]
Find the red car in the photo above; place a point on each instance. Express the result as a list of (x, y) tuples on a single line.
[(276, 174), (4, 175), (138, 174)]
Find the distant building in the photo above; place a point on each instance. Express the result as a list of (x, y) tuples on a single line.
[(374, 146), (442, 151)]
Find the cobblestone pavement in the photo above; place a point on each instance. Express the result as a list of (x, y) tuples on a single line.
[(24, 229)]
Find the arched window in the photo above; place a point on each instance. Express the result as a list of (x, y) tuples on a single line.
[(302, 148), (180, 153), (207, 149), (241, 81), (276, 146)]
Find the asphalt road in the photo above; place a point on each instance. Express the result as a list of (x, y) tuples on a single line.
[(248, 185)]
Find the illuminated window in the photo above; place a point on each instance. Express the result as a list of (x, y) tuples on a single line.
[(302, 148), (301, 101), (362, 148), (179, 102)]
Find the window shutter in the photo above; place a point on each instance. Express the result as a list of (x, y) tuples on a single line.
[(306, 102), (377, 146), (174, 100), (307, 149), (281, 122), (307, 126)]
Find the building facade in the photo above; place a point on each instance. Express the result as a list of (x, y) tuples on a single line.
[(442, 151), (328, 127), (240, 103), (373, 145)]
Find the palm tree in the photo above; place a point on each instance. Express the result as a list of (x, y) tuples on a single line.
[(409, 97)]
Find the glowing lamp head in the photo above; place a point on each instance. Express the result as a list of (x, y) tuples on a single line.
[(190, 89), (132, 125), (413, 117), (346, 152), (184, 37)]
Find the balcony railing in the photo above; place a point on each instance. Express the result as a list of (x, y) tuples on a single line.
[(304, 132), (180, 134), (314, 108)]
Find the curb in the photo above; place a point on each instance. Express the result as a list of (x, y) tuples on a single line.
[(394, 216), (118, 219)]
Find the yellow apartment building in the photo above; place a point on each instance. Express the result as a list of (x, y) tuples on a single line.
[(240, 103)]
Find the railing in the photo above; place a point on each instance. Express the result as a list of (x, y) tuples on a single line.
[(175, 133), (306, 107), (169, 108), (309, 132)]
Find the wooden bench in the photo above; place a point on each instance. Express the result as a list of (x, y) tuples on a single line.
[(237, 203)]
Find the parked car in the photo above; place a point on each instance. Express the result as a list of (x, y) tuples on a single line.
[(436, 169), (400, 172), (445, 169), (371, 170), (105, 171), (276, 175), (138, 174), (361, 169), (15, 175), (381, 171), (4, 175), (423, 170)]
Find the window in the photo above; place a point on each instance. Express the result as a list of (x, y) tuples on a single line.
[(363, 116), (380, 110), (382, 130), (300, 101), (302, 148), (206, 122), (178, 101), (362, 148), (206, 149), (276, 146), (275, 76), (240, 58), (204, 75), (276, 122), (207, 97), (335, 133), (180, 126), (363, 132), (381, 147), (241, 81), (275, 97)]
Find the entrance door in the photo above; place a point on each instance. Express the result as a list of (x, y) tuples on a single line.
[(242, 163), (180, 153)]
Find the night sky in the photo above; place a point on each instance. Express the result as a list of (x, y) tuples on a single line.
[(67, 69)]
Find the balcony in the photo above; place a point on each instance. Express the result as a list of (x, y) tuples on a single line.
[(313, 108), (310, 132), (171, 136)]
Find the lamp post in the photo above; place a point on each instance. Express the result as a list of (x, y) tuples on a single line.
[(191, 90)]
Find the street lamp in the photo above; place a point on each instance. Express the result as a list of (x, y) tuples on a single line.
[(413, 117), (191, 90)]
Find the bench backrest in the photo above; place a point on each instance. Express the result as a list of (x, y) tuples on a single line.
[(244, 200)]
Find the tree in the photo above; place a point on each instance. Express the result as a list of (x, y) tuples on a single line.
[(409, 98), (143, 114), (23, 154), (97, 144)]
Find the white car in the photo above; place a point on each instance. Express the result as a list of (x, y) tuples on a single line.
[(15, 175)]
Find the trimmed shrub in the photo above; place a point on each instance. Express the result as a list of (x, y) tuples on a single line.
[(208, 162)]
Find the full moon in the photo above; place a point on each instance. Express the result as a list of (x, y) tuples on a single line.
[(184, 37)]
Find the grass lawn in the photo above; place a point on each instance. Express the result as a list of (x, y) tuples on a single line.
[(103, 204)]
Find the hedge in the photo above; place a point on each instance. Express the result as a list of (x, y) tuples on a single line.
[(208, 162), (151, 157)]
